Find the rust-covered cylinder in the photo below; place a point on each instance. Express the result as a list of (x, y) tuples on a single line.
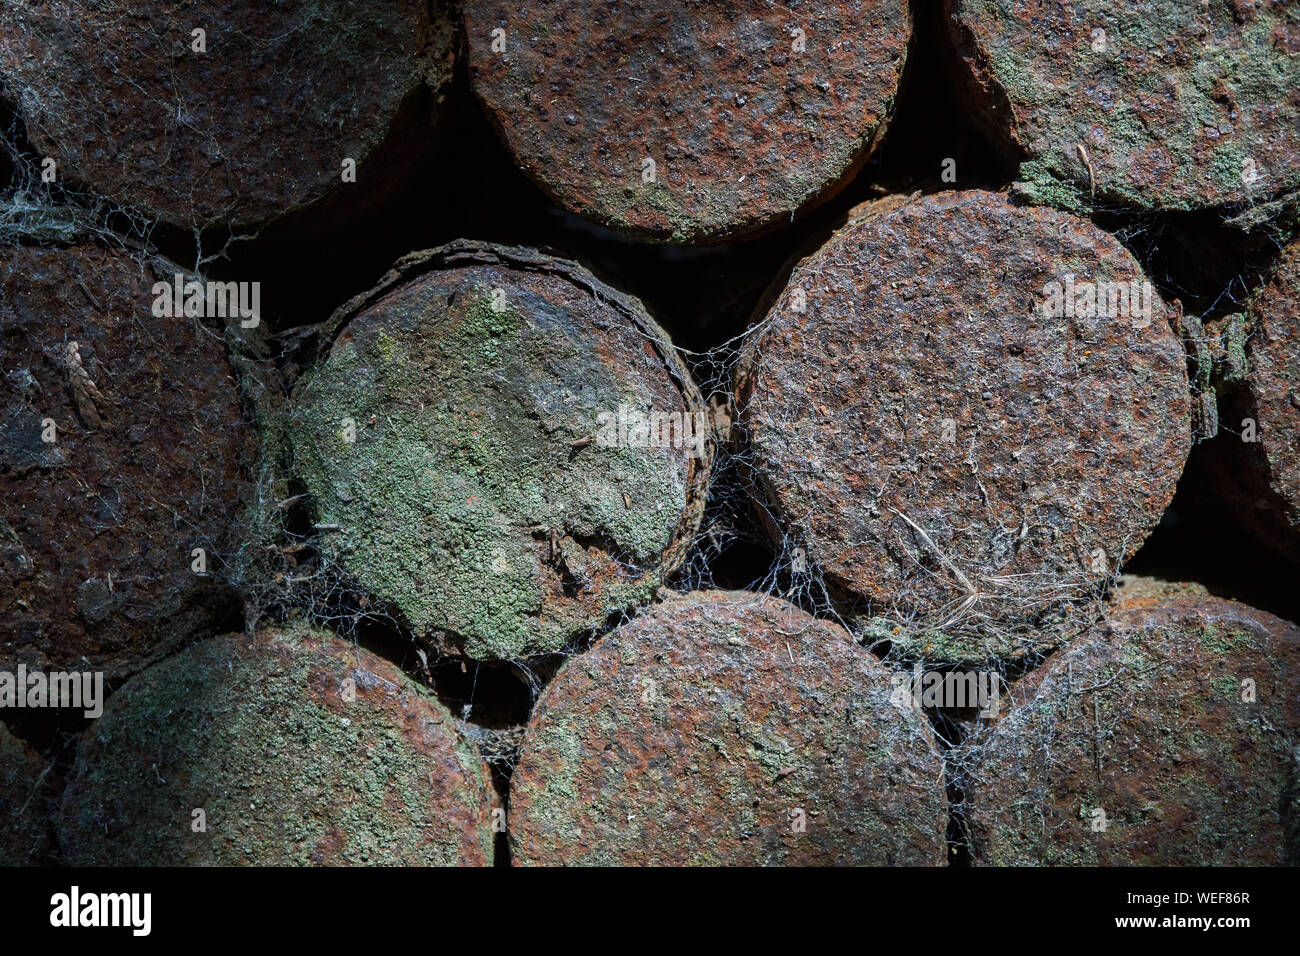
[(726, 728), (124, 451), (966, 414), (1256, 459), (232, 112), (288, 748), (688, 122), (1158, 106), (501, 449), (1166, 737)]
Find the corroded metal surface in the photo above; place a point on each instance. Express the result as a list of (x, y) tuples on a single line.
[(726, 728), (1257, 457), (1162, 105), (257, 126), (24, 824), (298, 747), (98, 526), (1137, 591), (484, 497), (1168, 738), (943, 447), (749, 110)]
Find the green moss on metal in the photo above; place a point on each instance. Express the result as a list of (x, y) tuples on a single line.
[(260, 737), (1154, 106), (1169, 740), (474, 499)]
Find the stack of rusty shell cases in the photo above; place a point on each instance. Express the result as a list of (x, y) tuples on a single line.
[(464, 559)]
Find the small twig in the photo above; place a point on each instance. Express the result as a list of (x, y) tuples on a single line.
[(93, 300), (965, 582), (1087, 162), (36, 788), (1096, 737)]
